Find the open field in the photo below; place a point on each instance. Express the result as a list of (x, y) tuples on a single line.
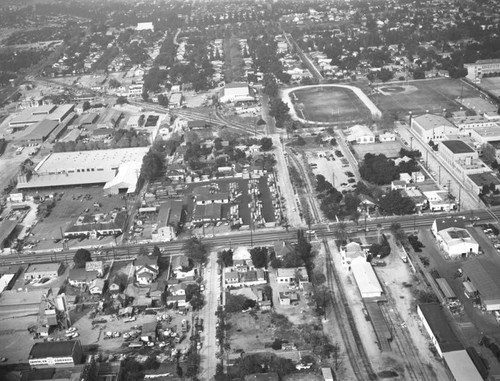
[(389, 149), (431, 95), (328, 104), (492, 84)]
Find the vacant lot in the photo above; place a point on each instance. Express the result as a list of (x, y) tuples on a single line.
[(389, 149), (431, 95), (328, 104)]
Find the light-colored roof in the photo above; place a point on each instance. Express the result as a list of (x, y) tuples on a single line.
[(365, 276), (358, 131), (454, 236), (127, 176), (84, 167), (461, 366), (430, 121), (42, 267)]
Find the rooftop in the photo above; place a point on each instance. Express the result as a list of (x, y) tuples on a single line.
[(38, 131), (483, 275), (449, 222), (430, 121), (43, 267), (461, 366), (53, 349), (457, 146), (485, 178), (6, 229), (440, 327)]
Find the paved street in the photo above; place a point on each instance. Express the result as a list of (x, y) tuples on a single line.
[(212, 292)]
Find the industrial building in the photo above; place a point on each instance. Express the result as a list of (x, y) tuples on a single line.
[(447, 344), (169, 217), (433, 127), (55, 354), (483, 276), (37, 133), (34, 115), (476, 70), (237, 92), (118, 169), (7, 233), (43, 270), (88, 226)]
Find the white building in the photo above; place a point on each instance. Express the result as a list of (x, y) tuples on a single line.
[(439, 202), (237, 92), (145, 26), (366, 279), (433, 127), (476, 71), (387, 137), (457, 242), (360, 134)]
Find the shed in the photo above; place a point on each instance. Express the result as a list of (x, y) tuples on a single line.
[(366, 279)]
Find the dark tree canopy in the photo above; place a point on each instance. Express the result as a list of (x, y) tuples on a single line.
[(195, 250), (81, 256), (378, 169), (395, 203), (259, 256)]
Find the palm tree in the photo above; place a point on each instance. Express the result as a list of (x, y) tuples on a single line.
[(397, 232), (340, 232), (379, 231)]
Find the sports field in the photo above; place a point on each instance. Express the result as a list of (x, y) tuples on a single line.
[(427, 95), (328, 105)]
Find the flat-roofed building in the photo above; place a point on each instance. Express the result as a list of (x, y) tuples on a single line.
[(87, 226), (237, 92), (457, 242), (43, 270), (475, 182), (37, 133), (467, 123), (366, 279), (7, 233), (461, 366), (433, 127), (483, 274), (437, 326), (476, 70), (491, 151), (483, 135), (15, 303), (55, 354), (461, 157), (439, 201), (360, 134), (86, 168)]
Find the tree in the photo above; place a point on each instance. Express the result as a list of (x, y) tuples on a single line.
[(86, 105), (195, 250), (152, 165), (121, 100), (397, 232), (114, 83), (266, 144), (192, 364), (163, 100), (225, 257), (378, 169), (259, 257), (237, 303), (340, 232), (81, 256), (394, 202)]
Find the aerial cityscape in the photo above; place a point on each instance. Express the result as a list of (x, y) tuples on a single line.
[(251, 190)]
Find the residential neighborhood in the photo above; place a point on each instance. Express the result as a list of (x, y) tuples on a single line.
[(242, 190)]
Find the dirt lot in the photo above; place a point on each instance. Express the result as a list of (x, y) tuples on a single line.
[(15, 340), (69, 204), (389, 149), (330, 166)]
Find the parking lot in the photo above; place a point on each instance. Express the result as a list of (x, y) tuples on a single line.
[(334, 166), (68, 204)]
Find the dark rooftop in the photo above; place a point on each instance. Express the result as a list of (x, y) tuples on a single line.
[(457, 146), (485, 178), (439, 325), (52, 349)]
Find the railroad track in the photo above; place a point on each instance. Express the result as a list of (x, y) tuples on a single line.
[(415, 369), (353, 344)]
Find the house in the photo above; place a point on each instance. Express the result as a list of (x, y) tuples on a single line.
[(146, 274), (116, 285), (177, 300), (231, 277), (282, 249), (398, 184), (350, 252), (96, 287), (292, 275), (366, 204), (360, 134), (387, 137), (146, 268), (81, 277), (433, 127), (417, 177)]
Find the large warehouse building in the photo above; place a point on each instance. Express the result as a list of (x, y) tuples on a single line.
[(118, 169), (483, 274), (451, 350)]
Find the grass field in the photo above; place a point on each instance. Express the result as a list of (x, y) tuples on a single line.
[(328, 104), (432, 95)]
